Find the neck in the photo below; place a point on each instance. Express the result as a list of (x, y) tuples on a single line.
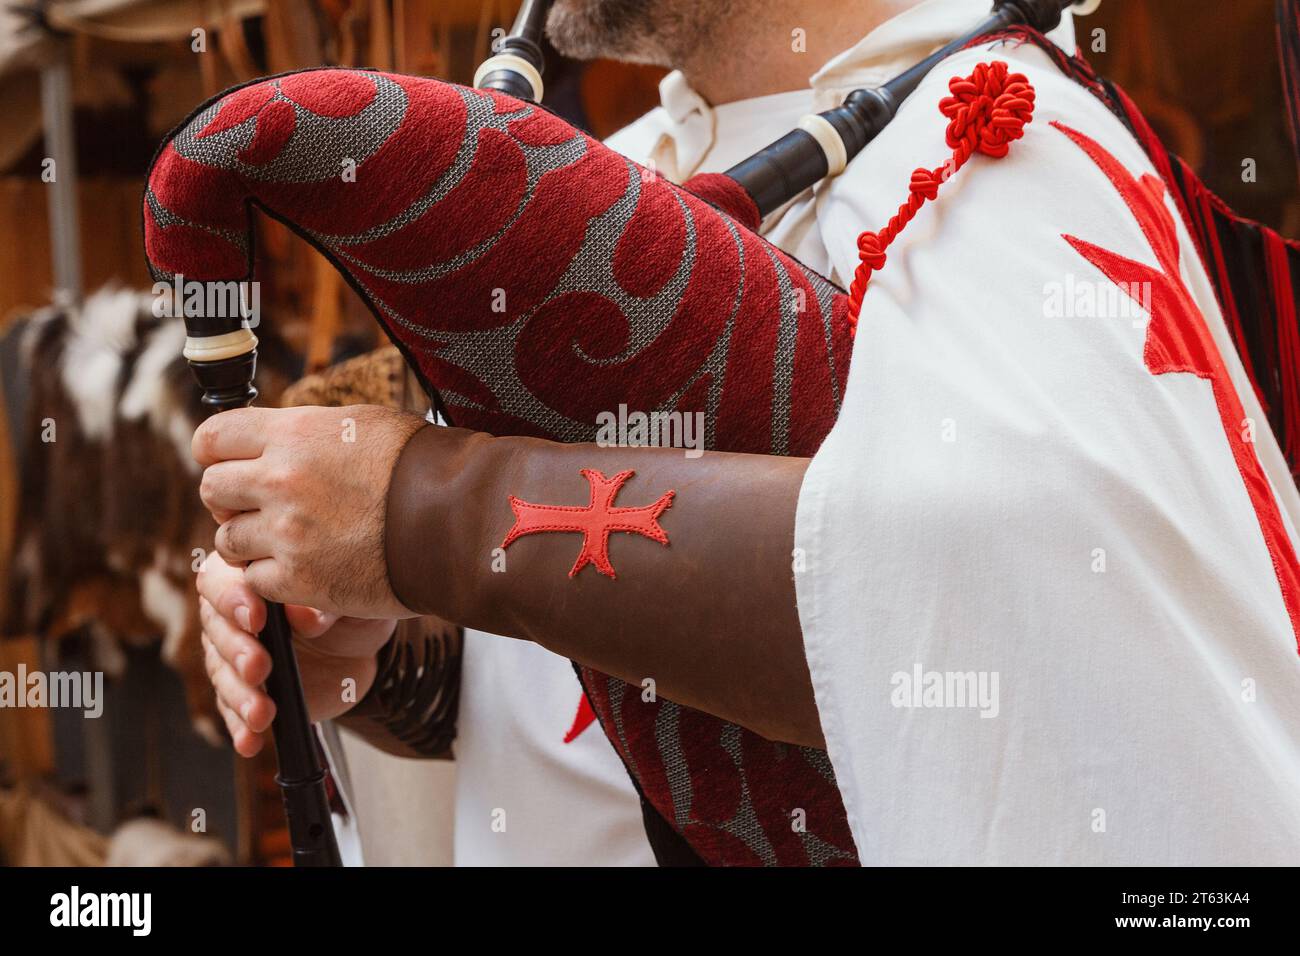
[(776, 45)]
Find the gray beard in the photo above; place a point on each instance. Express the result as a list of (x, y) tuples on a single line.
[(658, 32)]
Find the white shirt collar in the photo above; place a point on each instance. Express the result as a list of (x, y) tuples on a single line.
[(904, 40), (691, 130)]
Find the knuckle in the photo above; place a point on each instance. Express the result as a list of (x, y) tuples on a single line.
[(281, 477), (294, 422), (211, 662), (222, 540), (229, 539), (201, 444), (207, 486), (288, 527)]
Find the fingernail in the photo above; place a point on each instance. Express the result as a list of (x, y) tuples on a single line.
[(243, 618), (245, 710), (240, 661)]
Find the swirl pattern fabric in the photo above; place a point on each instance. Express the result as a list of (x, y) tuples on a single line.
[(535, 279)]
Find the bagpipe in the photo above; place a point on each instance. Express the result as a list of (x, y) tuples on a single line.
[(535, 279)]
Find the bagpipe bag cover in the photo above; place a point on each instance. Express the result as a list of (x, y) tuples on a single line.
[(535, 279)]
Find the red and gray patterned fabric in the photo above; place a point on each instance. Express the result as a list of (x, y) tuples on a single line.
[(536, 279)]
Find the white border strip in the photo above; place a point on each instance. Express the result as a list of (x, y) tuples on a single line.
[(828, 138), (214, 348), (516, 64)]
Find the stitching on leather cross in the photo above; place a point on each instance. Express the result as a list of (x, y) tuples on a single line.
[(594, 522)]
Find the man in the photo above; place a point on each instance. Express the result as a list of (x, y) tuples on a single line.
[(1047, 611)]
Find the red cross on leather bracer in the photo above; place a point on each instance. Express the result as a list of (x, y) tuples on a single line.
[(594, 522)]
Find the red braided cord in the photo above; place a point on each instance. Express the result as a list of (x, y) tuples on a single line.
[(987, 111)]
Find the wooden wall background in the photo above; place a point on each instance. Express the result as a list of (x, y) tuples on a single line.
[(1207, 77)]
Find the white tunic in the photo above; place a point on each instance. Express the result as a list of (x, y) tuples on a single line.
[(525, 797), (1041, 618)]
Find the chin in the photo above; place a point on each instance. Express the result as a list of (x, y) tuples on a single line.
[(604, 29)]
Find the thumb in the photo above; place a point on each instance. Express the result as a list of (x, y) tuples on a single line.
[(307, 622)]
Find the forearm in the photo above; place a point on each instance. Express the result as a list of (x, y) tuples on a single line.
[(710, 617)]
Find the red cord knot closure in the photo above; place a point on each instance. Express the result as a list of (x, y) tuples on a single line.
[(987, 112), (988, 109), (925, 183), (871, 249)]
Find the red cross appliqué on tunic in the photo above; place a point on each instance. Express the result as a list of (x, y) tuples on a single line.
[(1178, 340)]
